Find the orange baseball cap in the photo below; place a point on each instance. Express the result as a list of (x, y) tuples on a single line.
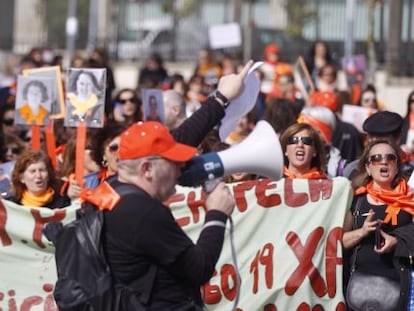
[(152, 138)]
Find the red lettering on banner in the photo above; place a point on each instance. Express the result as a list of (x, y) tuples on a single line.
[(304, 253), (293, 199), (194, 205), (332, 260), (267, 200), (254, 267), (212, 293), (318, 187), (12, 302), (228, 272), (270, 307), (264, 257), (303, 307), (176, 198), (29, 302), (240, 195), (48, 302), (59, 215), (4, 237)]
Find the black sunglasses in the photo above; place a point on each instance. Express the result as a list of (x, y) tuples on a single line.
[(306, 140), (14, 150), (378, 158), (132, 100), (8, 122), (113, 148)]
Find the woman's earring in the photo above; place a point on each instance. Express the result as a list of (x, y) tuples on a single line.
[(104, 163)]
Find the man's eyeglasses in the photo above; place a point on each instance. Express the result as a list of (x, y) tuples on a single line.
[(306, 140), (14, 150), (378, 158), (8, 122), (131, 100), (113, 148)]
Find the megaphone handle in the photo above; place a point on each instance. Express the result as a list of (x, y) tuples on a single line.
[(210, 184)]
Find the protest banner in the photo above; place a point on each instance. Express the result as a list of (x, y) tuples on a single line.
[(287, 237)]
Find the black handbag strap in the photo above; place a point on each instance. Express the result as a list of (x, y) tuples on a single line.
[(355, 214)]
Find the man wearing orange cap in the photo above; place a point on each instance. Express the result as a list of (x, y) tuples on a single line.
[(141, 233)]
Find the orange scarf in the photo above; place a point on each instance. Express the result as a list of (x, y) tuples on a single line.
[(312, 174), (82, 107), (400, 198), (29, 199), (31, 118)]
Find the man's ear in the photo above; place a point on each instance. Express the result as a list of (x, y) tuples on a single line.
[(146, 168)]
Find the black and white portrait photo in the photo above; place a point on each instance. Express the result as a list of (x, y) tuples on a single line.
[(85, 99), (33, 100)]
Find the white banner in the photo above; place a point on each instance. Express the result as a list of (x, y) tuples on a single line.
[(287, 236)]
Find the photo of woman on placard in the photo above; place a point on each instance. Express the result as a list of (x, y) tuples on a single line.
[(33, 104), (153, 105), (85, 97)]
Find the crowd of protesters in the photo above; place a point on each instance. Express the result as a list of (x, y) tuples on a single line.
[(316, 101)]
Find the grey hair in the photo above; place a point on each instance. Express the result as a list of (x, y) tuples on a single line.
[(128, 167), (322, 114), (174, 98)]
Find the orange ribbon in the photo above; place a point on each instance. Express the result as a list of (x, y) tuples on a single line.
[(312, 174), (399, 198)]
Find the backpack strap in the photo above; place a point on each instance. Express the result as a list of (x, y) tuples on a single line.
[(355, 214), (149, 279)]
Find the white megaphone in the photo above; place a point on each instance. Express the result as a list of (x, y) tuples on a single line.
[(259, 153)]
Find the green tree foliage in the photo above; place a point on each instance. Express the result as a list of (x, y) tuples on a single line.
[(299, 12), (184, 9), (56, 14)]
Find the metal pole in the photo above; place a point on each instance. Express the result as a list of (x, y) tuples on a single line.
[(349, 39), (410, 57), (71, 31), (317, 26), (92, 25)]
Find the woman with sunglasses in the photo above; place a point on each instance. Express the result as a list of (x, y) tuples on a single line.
[(127, 107), (381, 212), (13, 147), (7, 113), (303, 150), (105, 147)]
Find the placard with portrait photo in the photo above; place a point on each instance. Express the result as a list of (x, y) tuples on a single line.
[(56, 92), (85, 97), (33, 100), (354, 68), (6, 170), (153, 105), (303, 78)]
